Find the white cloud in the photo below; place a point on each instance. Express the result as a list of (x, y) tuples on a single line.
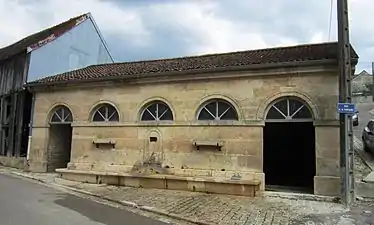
[(13, 28), (211, 33), (36, 16)]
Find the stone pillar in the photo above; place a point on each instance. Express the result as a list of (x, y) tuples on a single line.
[(327, 181), (38, 155)]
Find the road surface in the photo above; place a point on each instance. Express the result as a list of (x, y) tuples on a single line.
[(364, 109), (25, 202)]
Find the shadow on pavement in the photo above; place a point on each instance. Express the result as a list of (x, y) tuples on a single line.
[(95, 212)]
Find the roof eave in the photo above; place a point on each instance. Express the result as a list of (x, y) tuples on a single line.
[(176, 73)]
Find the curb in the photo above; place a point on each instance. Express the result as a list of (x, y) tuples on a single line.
[(124, 203), (28, 177)]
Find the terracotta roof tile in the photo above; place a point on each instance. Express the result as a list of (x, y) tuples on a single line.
[(199, 63)]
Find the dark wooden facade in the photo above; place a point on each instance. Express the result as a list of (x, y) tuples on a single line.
[(15, 100), (15, 105)]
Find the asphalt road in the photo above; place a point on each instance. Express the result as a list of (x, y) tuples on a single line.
[(364, 109), (25, 202)]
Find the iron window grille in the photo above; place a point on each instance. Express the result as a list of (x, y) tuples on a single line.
[(217, 110), (288, 109), (61, 114), (157, 111), (105, 113)]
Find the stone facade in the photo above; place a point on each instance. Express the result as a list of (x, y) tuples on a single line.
[(14, 162), (362, 83), (250, 94)]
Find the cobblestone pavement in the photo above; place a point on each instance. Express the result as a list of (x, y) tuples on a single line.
[(223, 209)]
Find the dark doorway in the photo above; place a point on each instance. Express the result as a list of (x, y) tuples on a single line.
[(60, 136), (59, 146), (289, 155), (289, 147), (26, 123)]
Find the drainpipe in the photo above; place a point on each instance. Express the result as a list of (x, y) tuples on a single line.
[(30, 127)]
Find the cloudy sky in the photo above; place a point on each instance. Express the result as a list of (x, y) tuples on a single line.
[(148, 29)]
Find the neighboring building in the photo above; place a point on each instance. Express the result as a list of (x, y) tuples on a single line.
[(73, 44), (221, 123), (362, 82)]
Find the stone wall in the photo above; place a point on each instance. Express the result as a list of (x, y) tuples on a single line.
[(14, 162), (242, 140)]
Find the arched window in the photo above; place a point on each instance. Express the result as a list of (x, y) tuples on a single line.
[(289, 109), (217, 109), (61, 114), (105, 113), (156, 111)]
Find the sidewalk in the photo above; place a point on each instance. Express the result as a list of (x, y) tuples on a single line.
[(203, 208), (367, 158)]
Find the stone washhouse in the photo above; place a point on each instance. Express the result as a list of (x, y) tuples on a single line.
[(234, 123)]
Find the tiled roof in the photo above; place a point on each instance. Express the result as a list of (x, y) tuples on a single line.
[(21, 46), (202, 63)]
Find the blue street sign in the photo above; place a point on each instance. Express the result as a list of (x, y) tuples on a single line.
[(346, 108)]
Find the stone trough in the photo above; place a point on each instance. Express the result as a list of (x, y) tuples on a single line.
[(199, 184)]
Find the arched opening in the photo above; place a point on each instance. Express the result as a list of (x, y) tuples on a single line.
[(217, 110), (156, 111), (105, 113), (289, 146), (60, 136)]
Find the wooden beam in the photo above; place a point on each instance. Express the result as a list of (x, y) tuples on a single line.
[(12, 123), (19, 125), (2, 141)]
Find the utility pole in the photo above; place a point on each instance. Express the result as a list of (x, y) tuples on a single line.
[(345, 96)]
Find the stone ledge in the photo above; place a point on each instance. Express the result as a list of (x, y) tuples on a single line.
[(199, 184), (300, 196), (240, 123), (326, 123)]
